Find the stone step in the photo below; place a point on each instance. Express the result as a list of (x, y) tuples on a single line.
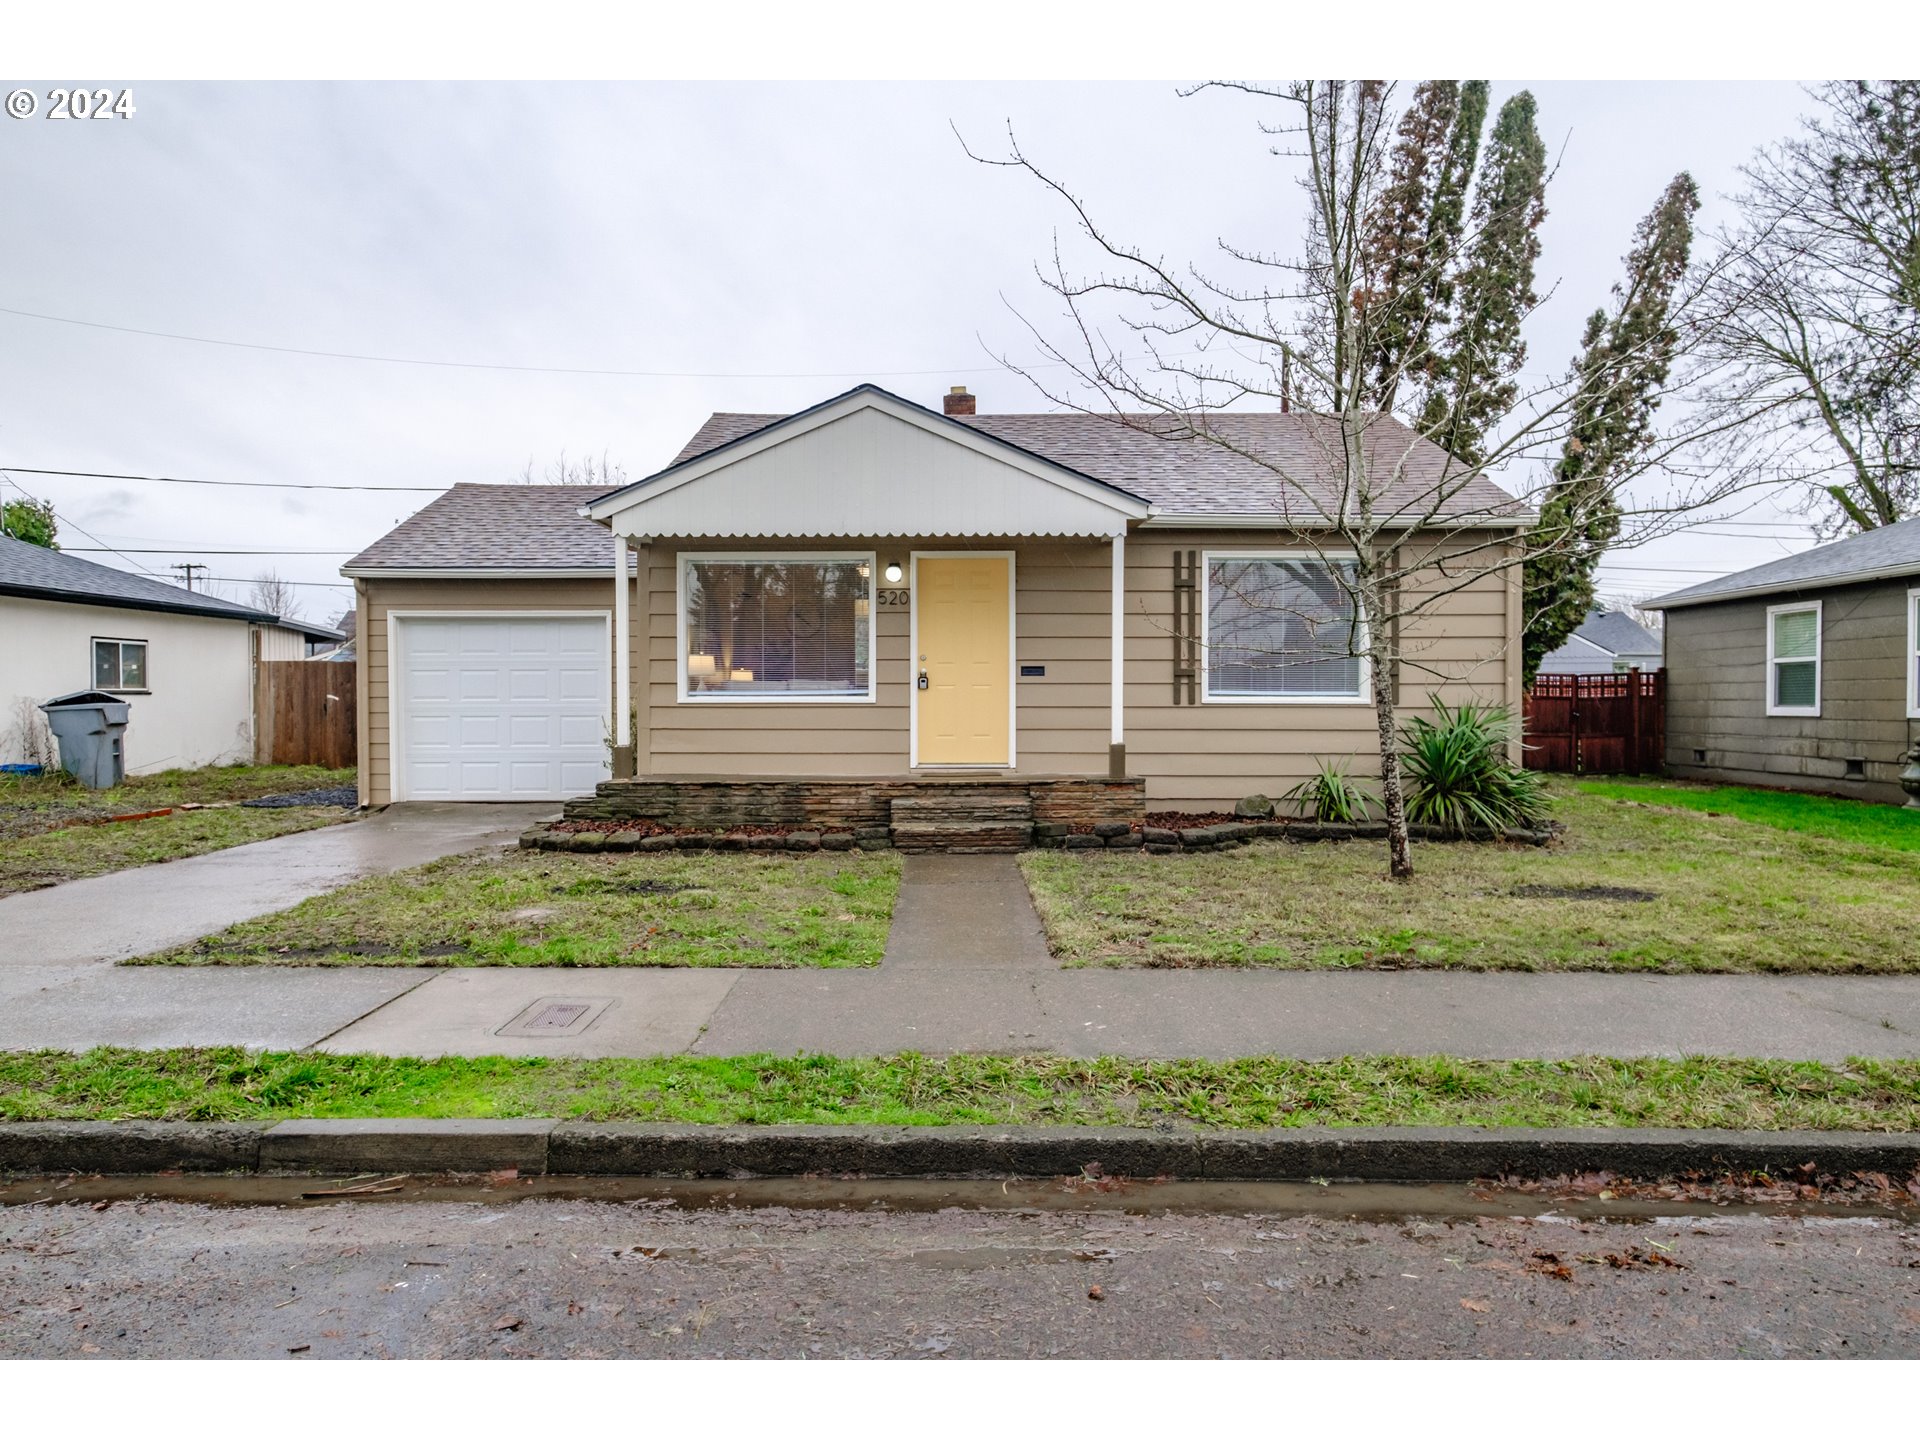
[(963, 837)]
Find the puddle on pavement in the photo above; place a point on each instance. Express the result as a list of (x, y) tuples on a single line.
[(1133, 1197)]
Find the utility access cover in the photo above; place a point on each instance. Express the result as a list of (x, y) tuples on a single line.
[(554, 1016)]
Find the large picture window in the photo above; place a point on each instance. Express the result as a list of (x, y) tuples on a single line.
[(1793, 659), (119, 664), (1282, 628), (776, 627)]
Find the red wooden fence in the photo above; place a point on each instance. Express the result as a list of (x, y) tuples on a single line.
[(1597, 724)]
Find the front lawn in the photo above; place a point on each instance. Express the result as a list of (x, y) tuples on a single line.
[(53, 830), (1856, 821), (234, 1084), (1628, 887), (536, 907)]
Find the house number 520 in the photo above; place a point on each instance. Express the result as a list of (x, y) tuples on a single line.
[(893, 599)]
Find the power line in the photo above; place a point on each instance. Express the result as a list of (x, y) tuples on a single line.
[(194, 550), (521, 369), (237, 484), (74, 525)]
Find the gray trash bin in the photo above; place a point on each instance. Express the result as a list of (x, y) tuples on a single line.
[(90, 726)]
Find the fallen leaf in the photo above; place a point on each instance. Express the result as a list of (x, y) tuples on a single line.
[(89, 1349), (1479, 1307), (508, 1322), (1094, 1292), (298, 1349)]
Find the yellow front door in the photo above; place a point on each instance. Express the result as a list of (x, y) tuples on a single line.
[(963, 605)]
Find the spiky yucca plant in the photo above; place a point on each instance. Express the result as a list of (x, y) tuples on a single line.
[(1332, 796), (1459, 777)]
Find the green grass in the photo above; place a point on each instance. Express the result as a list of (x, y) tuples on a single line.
[(1729, 895), (234, 1084), (54, 794), (537, 907), (1853, 821)]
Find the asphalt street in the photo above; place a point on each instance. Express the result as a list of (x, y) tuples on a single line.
[(565, 1276)]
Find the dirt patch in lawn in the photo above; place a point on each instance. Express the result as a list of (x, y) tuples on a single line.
[(1584, 892)]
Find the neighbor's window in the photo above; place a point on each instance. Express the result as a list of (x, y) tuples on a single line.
[(1282, 627), (783, 628), (1793, 659), (119, 664)]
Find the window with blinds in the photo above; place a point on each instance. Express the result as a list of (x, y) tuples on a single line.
[(1793, 659), (1282, 627), (785, 628)]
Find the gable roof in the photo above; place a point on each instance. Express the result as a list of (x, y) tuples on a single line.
[(1617, 633), (1886, 553), (1230, 476), (37, 573), (500, 528), (955, 495)]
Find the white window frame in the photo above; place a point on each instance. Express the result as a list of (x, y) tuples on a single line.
[(687, 558), (120, 669), (1819, 637), (1364, 693), (1913, 653)]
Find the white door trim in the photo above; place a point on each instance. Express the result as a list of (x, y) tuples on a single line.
[(913, 656), (396, 771)]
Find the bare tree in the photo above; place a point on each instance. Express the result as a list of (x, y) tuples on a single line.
[(1811, 339), (601, 473), (274, 595), (1398, 526)]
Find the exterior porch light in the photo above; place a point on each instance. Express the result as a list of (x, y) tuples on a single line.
[(894, 572)]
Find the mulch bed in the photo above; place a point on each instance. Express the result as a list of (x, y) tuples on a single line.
[(1176, 820)]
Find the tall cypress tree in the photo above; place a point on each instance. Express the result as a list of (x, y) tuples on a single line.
[(1494, 290), (1624, 363), (1414, 228)]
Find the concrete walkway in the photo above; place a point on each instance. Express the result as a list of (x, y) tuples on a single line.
[(138, 911), (966, 970)]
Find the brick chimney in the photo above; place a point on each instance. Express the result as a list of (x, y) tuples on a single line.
[(957, 401)]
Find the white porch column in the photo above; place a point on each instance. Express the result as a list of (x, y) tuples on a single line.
[(622, 657), (1117, 736)]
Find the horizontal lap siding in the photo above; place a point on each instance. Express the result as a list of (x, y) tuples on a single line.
[(1191, 756), (1717, 693), (504, 596), (1208, 755)]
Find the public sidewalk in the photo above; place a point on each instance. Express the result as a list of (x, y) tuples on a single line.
[(966, 969)]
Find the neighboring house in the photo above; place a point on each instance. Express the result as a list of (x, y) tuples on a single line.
[(1607, 641), (1802, 673), (288, 639), (184, 661), (869, 589)]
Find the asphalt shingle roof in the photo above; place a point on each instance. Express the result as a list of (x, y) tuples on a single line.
[(536, 527), (494, 527), (1618, 634), (42, 574), (1892, 550), (1231, 474)]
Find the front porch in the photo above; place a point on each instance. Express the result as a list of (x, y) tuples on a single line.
[(952, 812)]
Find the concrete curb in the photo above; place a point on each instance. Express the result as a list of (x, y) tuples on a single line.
[(536, 1147)]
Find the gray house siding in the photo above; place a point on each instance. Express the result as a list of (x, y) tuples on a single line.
[(1717, 722)]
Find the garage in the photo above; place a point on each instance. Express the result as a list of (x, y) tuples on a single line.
[(499, 707)]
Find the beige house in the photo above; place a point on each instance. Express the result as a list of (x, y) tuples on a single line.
[(872, 590)]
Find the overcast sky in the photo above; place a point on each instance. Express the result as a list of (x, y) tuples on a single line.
[(756, 247)]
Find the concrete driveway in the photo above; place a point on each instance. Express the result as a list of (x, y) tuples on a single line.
[(135, 912)]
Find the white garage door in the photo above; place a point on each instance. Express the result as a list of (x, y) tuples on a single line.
[(500, 707)]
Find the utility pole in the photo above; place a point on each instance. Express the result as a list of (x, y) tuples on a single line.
[(189, 566)]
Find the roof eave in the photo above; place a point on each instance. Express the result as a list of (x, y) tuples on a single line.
[(1680, 599), (124, 602)]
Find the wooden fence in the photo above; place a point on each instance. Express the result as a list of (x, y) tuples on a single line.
[(303, 713), (1597, 724)]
